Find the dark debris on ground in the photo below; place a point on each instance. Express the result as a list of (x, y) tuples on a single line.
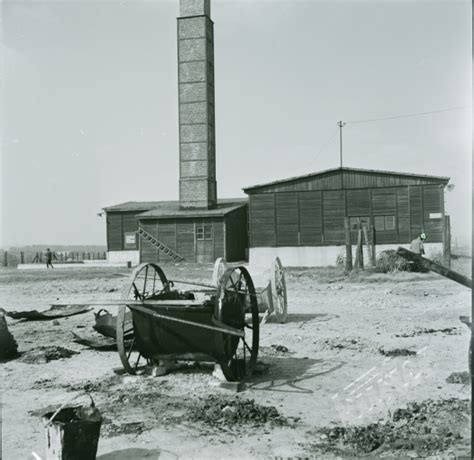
[(424, 428), (216, 410)]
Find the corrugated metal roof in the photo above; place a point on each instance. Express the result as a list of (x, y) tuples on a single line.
[(170, 209), (136, 205), (369, 171)]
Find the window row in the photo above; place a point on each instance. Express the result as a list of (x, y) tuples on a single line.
[(381, 223)]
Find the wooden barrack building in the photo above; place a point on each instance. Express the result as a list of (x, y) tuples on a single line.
[(164, 232), (301, 219)]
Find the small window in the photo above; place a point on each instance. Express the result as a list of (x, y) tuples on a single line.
[(204, 232), (200, 232), (379, 223), (384, 223), (389, 222), (208, 232)]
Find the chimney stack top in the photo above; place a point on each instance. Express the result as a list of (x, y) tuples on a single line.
[(194, 8)]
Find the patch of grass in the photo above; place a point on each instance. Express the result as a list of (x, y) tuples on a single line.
[(389, 262), (397, 352), (44, 354), (426, 428), (216, 410), (459, 377)]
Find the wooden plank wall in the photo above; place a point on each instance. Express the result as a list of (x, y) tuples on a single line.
[(167, 235), (316, 218), (384, 202), (416, 211), (218, 249), (310, 207), (403, 211), (433, 204), (236, 235), (179, 235), (335, 180), (114, 232), (334, 212), (119, 223), (358, 203), (286, 219), (148, 252), (262, 226), (185, 237)]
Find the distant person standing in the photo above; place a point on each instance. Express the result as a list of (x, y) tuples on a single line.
[(49, 258), (416, 245)]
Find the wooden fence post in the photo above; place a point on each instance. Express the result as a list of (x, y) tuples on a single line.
[(374, 253), (367, 243), (359, 263), (347, 231), (447, 242), (22, 257)]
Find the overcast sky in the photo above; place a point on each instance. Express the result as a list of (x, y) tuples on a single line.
[(90, 104)]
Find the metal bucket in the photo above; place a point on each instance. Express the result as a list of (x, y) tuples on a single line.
[(72, 433)]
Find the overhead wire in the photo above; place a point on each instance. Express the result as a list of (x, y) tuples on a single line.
[(328, 141), (353, 122)]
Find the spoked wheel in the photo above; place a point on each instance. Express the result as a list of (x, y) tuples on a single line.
[(236, 306), (220, 266), (278, 283), (147, 281)]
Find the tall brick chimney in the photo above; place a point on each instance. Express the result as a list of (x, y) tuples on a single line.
[(197, 146)]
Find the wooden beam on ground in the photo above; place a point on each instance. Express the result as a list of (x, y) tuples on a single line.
[(118, 302), (435, 267)]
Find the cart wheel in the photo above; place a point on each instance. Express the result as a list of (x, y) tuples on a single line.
[(236, 306), (279, 297), (146, 282), (220, 266), (470, 356)]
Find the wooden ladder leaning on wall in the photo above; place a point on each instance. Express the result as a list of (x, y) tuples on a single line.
[(159, 245)]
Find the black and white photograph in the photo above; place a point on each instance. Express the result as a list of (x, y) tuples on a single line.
[(236, 229)]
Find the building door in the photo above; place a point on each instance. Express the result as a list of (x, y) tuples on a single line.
[(204, 242)]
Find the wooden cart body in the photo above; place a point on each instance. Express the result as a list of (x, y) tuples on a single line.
[(158, 323)]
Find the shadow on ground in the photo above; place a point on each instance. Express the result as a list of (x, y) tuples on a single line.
[(304, 317), (138, 454), (291, 375)]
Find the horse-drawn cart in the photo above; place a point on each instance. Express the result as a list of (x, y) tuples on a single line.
[(220, 322), (156, 322)]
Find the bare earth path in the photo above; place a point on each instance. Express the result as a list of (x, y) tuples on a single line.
[(332, 374)]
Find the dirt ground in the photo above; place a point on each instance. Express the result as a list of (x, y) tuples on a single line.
[(338, 371)]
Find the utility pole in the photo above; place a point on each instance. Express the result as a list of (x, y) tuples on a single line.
[(340, 124)]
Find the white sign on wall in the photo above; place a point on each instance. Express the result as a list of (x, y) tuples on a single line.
[(130, 240), (435, 215)]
